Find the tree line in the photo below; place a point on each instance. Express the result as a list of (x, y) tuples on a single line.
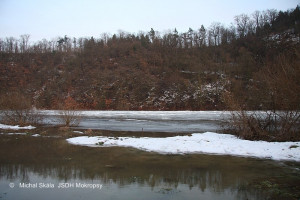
[(259, 23), (252, 64), (169, 71)]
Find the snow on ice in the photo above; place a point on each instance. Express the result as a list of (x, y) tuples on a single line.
[(17, 127)]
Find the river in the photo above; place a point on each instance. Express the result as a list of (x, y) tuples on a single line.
[(64, 171)]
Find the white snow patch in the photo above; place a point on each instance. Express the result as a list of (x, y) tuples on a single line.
[(17, 127), (13, 133), (79, 132), (204, 143)]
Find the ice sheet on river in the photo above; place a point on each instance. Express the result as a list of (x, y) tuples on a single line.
[(148, 121), (166, 115), (204, 143)]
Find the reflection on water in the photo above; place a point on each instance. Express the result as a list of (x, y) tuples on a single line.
[(126, 173)]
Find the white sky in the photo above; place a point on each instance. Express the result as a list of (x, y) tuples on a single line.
[(84, 18)]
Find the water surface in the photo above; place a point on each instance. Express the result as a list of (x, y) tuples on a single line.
[(126, 173)]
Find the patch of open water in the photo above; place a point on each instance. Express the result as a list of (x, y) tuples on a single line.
[(126, 173)]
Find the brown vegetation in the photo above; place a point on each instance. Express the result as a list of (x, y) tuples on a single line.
[(148, 71), (69, 114), (276, 87), (16, 109), (253, 65)]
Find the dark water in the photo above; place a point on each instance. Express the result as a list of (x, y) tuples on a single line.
[(126, 173)]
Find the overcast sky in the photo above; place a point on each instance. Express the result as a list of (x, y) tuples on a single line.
[(84, 18)]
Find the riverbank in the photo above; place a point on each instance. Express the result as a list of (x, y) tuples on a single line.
[(199, 143), (158, 131)]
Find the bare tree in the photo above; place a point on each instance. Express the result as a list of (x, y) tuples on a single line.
[(264, 19), (215, 32), (272, 14), (257, 20), (105, 37), (16, 46), (10, 41), (202, 36), (190, 38), (2, 45), (24, 42), (242, 23), (80, 44), (74, 44)]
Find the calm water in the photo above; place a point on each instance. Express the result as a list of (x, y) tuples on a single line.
[(125, 173)]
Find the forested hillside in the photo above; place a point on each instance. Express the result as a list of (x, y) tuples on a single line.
[(255, 61)]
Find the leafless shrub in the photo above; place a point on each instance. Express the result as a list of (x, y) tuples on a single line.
[(277, 88), (265, 125), (16, 109), (247, 125), (69, 114), (70, 117)]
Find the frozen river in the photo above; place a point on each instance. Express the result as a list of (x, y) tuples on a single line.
[(147, 121)]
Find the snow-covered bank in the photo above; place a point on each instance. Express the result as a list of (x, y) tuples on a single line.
[(17, 127), (209, 142)]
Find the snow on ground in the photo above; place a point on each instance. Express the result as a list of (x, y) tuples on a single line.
[(17, 127), (205, 143), (79, 132), (13, 133)]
